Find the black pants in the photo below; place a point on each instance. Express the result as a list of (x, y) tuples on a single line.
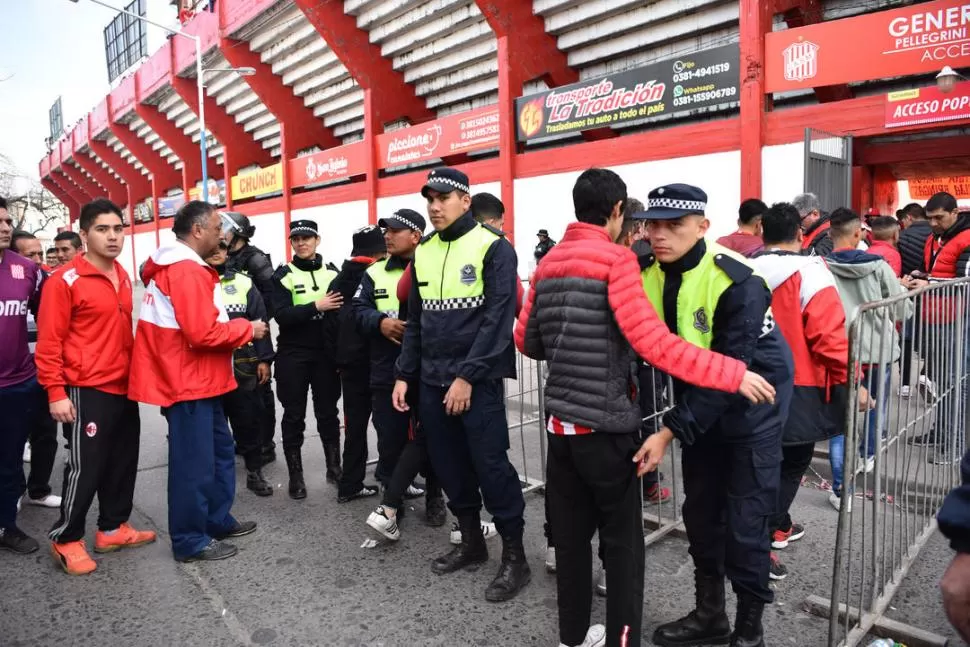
[(244, 409), (469, 454), (267, 427), (296, 373), (591, 484), (393, 428), (731, 489), (18, 406), (43, 450), (102, 445), (795, 459), (355, 383), (412, 461)]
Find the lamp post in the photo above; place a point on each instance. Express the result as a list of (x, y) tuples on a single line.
[(199, 73)]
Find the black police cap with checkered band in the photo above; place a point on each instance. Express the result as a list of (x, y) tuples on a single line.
[(673, 201), (303, 228), (446, 180)]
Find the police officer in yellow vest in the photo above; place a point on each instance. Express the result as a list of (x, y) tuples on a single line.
[(458, 343), (731, 448), (251, 366), (306, 354)]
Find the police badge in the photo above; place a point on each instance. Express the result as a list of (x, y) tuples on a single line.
[(468, 274), (700, 321)]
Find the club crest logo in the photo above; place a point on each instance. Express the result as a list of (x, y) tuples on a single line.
[(91, 430), (801, 61)]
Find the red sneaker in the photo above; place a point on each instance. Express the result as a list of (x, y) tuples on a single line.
[(781, 538), (656, 494), (73, 557), (124, 537)]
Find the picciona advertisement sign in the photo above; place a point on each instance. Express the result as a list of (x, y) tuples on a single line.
[(459, 133), (699, 80)]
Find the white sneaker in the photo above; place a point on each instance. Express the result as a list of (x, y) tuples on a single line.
[(601, 583), (19, 501), (904, 391), (488, 529), (595, 637), (379, 521), (866, 465), (27, 453), (49, 501), (550, 559), (926, 386), (836, 501), (413, 492)]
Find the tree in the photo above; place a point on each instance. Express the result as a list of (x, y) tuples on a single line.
[(32, 206)]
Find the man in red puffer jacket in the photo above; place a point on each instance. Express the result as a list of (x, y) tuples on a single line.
[(182, 362)]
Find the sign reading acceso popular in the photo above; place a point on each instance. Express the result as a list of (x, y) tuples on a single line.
[(699, 80)]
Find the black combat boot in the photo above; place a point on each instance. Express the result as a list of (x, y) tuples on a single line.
[(513, 574), (706, 625), (331, 452), (471, 552), (257, 483), (294, 463), (747, 624)]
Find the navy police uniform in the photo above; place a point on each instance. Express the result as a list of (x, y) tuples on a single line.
[(731, 448), (461, 309)]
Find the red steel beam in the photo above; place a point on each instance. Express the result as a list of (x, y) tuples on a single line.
[(87, 185), (77, 193), (303, 128), (117, 192), (139, 186), (234, 139), (755, 22), (510, 82), (162, 172), (180, 143), (393, 97), (73, 208)]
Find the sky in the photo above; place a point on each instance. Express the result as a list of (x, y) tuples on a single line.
[(52, 48)]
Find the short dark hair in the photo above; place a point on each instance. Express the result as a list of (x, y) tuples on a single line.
[(486, 206), (20, 234), (595, 193), (780, 223), (915, 210), (71, 236), (3, 203), (941, 200), (883, 227), (95, 208), (843, 221), (631, 207), (192, 213), (50, 250), (751, 209)]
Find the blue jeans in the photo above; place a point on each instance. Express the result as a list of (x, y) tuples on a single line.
[(872, 376), (201, 474)]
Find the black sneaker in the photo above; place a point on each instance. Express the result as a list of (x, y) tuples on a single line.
[(924, 439), (777, 570), (435, 513), (14, 540), (241, 529), (367, 490), (215, 551)]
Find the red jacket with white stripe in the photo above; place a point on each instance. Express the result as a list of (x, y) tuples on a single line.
[(809, 313), (84, 330), (184, 339)]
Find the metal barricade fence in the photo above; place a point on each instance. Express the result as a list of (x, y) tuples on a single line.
[(525, 408), (893, 483)]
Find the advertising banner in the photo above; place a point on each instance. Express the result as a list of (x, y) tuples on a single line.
[(698, 80), (459, 133), (958, 186), (927, 106), (332, 164), (256, 183), (911, 40), (169, 205), (216, 193)]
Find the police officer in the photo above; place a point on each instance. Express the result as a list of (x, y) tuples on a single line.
[(353, 362), (458, 342), (710, 296), (251, 367), (305, 356), (251, 260)]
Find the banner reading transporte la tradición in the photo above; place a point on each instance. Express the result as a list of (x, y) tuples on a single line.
[(927, 106), (699, 80)]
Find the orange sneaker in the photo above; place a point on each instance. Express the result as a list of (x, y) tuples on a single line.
[(124, 537), (73, 557)]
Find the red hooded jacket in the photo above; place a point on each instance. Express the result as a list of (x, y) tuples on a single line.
[(184, 339)]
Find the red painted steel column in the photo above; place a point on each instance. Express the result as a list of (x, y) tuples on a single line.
[(284, 162), (509, 87), (372, 127), (755, 21), (73, 208)]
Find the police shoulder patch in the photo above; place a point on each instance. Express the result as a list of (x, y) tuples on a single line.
[(281, 271), (736, 270)]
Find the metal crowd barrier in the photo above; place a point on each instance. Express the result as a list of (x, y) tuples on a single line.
[(889, 503), (525, 408)]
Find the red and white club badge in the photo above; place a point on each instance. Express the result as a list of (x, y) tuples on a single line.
[(91, 429)]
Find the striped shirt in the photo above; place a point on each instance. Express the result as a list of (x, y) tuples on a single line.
[(563, 428)]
